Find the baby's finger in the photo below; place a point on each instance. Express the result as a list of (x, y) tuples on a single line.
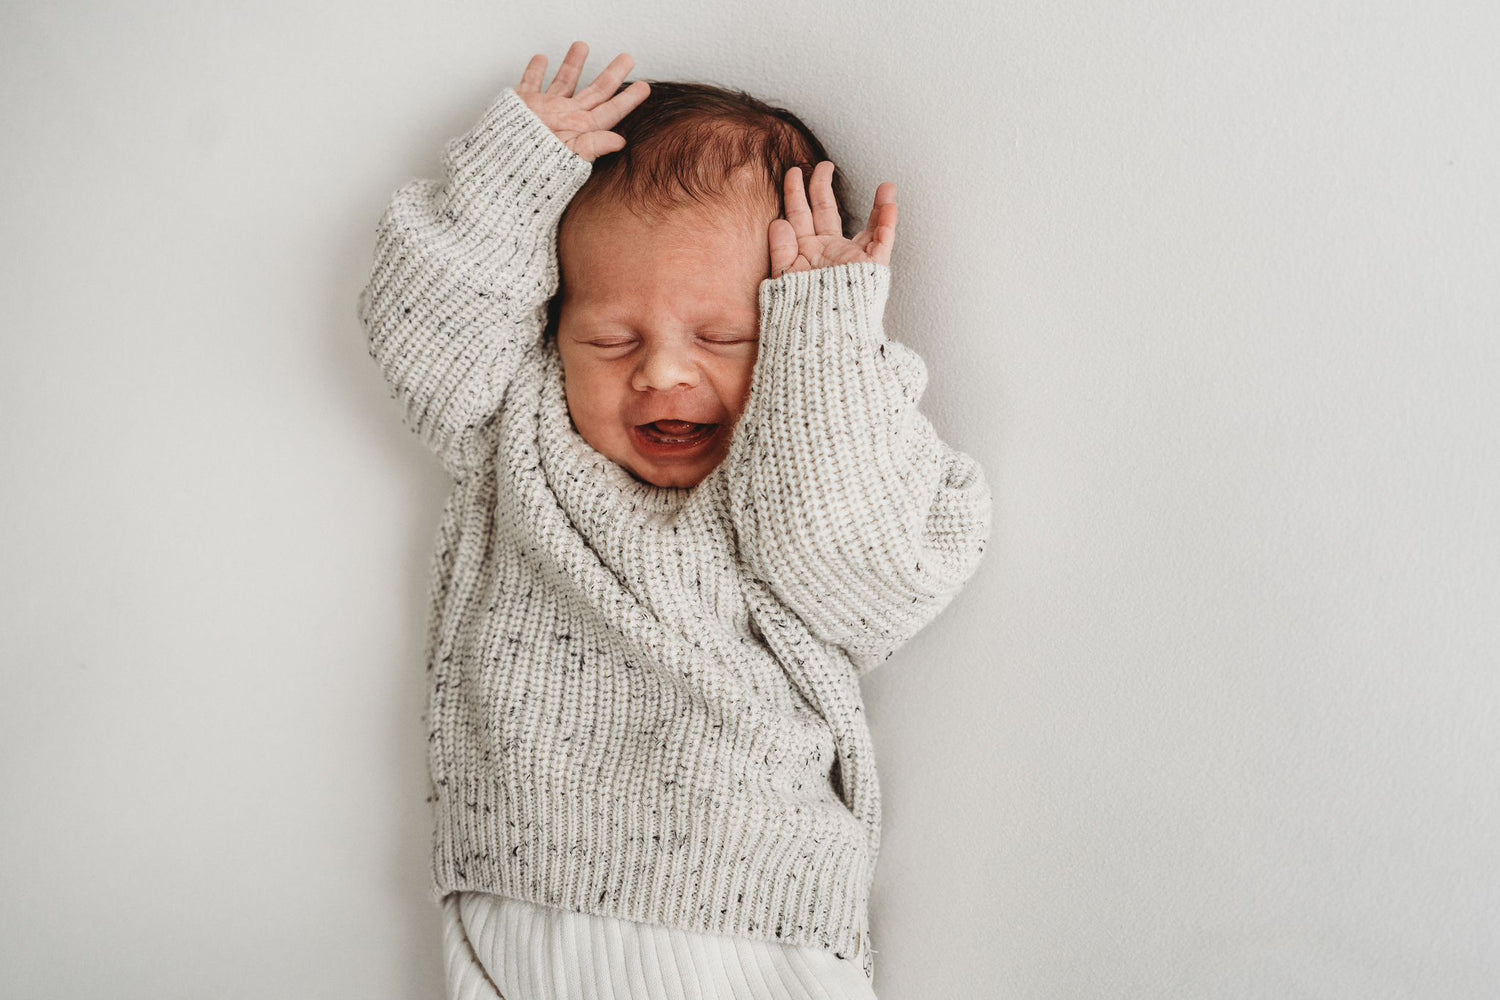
[(608, 81), (882, 227), (608, 114), (783, 244), (825, 208), (795, 200), (568, 73), (885, 194), (536, 72)]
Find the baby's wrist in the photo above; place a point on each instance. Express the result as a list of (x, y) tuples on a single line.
[(510, 161), (806, 305)]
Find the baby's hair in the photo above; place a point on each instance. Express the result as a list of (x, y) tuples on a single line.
[(686, 141)]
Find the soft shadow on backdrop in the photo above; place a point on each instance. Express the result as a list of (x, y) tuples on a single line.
[(1210, 291)]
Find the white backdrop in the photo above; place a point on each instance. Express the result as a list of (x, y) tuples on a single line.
[(1212, 290)]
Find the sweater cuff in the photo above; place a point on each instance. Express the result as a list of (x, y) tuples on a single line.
[(510, 161), (802, 308)]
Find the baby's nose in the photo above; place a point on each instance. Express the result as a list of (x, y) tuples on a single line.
[(663, 369)]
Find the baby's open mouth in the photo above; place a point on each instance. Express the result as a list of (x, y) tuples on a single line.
[(676, 432)]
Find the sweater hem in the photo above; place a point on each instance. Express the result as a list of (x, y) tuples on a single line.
[(797, 877)]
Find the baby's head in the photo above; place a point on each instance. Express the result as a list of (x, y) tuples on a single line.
[(662, 253)]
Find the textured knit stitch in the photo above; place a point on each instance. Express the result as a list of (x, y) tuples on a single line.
[(645, 701)]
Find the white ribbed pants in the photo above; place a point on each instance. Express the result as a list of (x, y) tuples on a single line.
[(504, 949)]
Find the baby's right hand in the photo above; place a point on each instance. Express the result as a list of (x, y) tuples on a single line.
[(583, 121)]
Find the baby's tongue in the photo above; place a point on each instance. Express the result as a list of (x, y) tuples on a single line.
[(675, 426)]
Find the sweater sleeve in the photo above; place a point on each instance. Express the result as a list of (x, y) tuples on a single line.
[(844, 500), (463, 269)]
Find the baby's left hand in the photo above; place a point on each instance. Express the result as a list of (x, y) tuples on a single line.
[(809, 238)]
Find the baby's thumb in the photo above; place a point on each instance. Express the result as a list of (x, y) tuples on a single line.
[(783, 242), (592, 145)]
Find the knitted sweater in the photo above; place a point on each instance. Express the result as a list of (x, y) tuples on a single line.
[(645, 701)]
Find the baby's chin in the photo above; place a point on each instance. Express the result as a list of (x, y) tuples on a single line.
[(676, 481), (678, 477)]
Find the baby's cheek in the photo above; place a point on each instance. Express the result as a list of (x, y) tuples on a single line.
[(582, 395), (737, 380)]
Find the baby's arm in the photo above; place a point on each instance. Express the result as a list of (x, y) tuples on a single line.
[(846, 502), (464, 266)]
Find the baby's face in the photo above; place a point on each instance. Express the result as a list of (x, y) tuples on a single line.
[(658, 333)]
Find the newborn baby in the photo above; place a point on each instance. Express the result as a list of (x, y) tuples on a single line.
[(693, 502), (658, 315), (657, 330)]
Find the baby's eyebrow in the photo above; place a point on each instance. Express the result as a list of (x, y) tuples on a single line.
[(713, 315), (726, 312)]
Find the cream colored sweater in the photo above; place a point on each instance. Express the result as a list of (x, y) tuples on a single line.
[(645, 702)]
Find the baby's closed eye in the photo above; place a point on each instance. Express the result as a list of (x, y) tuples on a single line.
[(712, 337), (611, 342), (618, 344)]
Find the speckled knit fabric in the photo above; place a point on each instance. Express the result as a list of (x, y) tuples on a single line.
[(644, 701)]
